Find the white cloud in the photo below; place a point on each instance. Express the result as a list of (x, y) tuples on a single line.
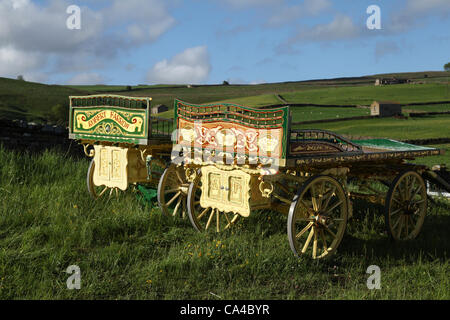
[(341, 28), (251, 3), (415, 12), (86, 79), (384, 48), (421, 5), (286, 14), (27, 26), (190, 66), (145, 20), (14, 62), (31, 32)]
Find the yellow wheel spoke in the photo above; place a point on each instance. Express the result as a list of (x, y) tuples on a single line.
[(393, 198), (235, 217), (173, 199), (175, 210), (178, 176), (228, 220), (171, 190), (418, 202), (329, 198), (396, 211), (103, 191), (314, 253), (396, 223), (304, 230), (329, 231), (416, 192), (202, 213), (218, 221), (305, 247), (333, 207), (210, 219)]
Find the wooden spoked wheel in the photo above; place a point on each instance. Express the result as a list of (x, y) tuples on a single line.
[(204, 219), (317, 217), (406, 206), (172, 191), (99, 191)]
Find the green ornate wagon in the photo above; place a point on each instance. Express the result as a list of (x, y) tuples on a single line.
[(237, 160), (129, 146)]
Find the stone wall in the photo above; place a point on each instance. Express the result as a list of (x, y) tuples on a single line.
[(23, 135)]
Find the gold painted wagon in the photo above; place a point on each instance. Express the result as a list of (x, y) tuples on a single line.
[(129, 146), (237, 160)]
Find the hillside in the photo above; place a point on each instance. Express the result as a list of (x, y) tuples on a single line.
[(40, 102), (32, 101)]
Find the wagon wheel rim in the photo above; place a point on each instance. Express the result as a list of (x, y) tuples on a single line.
[(103, 191), (317, 217), (406, 206), (172, 191), (207, 219)]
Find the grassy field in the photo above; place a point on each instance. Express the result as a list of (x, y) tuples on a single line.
[(32, 101), (40, 102), (427, 108), (129, 251), (359, 95), (320, 113), (434, 160), (400, 129)]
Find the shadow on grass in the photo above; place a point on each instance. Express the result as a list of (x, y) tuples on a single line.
[(431, 243)]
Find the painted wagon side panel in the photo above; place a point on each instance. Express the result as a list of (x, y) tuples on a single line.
[(110, 118), (233, 129)]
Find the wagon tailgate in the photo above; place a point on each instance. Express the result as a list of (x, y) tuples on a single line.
[(109, 118)]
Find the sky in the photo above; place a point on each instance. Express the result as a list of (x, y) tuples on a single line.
[(208, 41)]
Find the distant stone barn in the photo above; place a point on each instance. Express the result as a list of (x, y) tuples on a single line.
[(159, 108), (385, 109)]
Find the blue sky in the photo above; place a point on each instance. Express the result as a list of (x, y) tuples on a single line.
[(207, 41)]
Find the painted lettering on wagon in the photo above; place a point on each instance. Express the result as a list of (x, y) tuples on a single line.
[(118, 118), (83, 123), (96, 119)]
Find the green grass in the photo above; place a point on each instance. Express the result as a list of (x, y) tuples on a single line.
[(399, 129), (441, 159), (321, 113), (365, 95), (427, 108), (129, 251), (32, 101)]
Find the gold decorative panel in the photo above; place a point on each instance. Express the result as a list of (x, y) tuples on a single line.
[(110, 167), (228, 191), (235, 194), (215, 183)]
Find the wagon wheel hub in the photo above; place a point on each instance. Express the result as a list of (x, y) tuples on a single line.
[(406, 203), (321, 220), (184, 188), (410, 208)]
